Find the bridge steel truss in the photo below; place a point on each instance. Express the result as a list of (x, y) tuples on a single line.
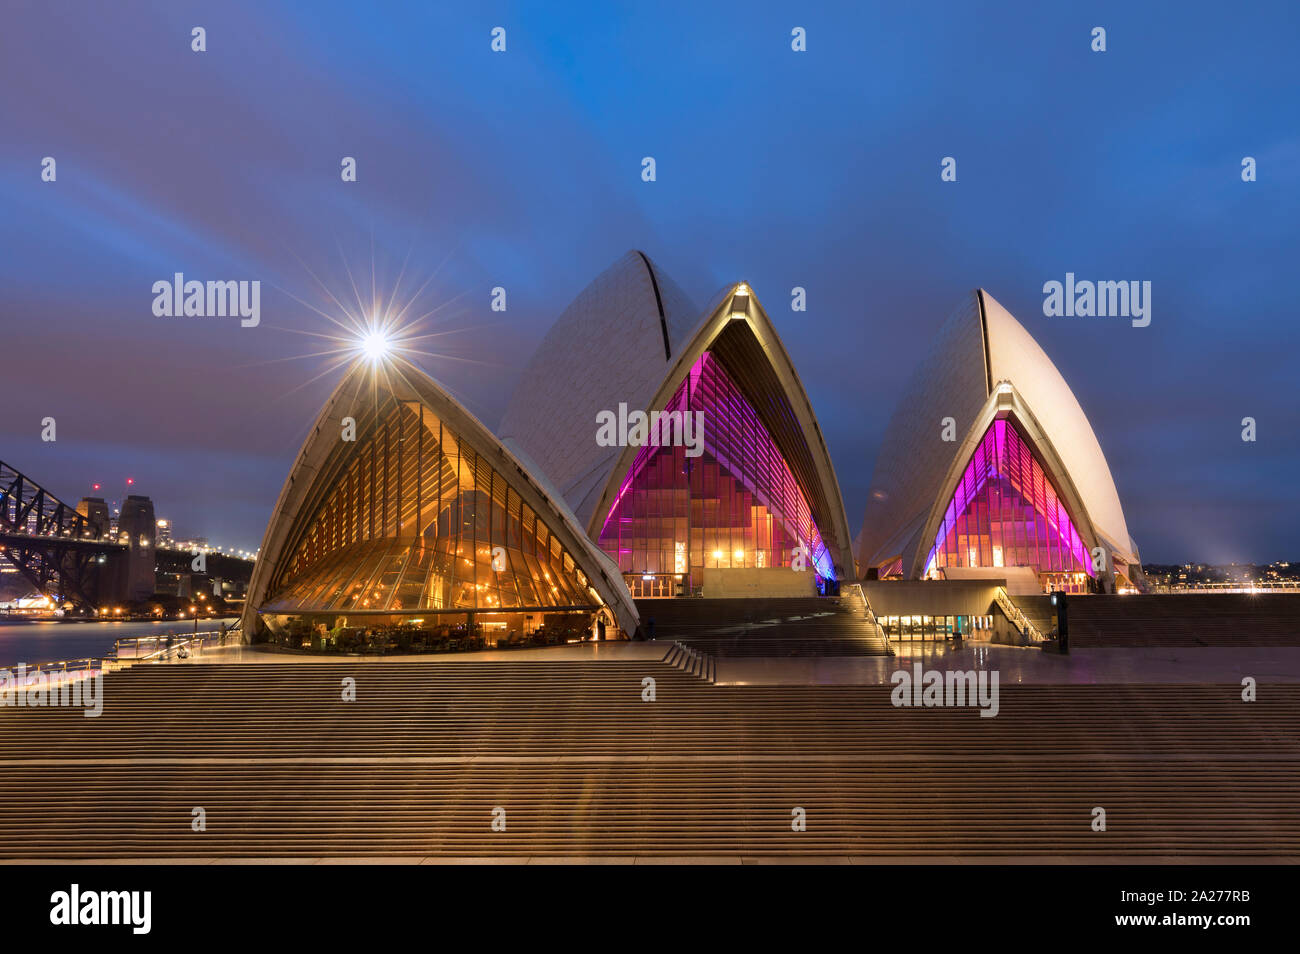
[(55, 548)]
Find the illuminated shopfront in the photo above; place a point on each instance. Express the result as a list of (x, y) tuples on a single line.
[(932, 628)]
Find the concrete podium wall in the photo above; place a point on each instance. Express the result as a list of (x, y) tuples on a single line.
[(757, 582), (930, 597), (1019, 580)]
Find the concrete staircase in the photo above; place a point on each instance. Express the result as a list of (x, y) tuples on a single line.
[(416, 765), (1037, 609), (691, 660), (1029, 633), (857, 603)]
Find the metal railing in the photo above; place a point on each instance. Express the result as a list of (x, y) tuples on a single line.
[(90, 665), (1017, 618), (1278, 587), (170, 644), (855, 592), (66, 669), (884, 636)]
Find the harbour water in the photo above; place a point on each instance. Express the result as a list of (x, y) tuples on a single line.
[(33, 643)]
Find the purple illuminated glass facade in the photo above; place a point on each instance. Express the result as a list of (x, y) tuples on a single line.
[(1006, 512), (738, 504)]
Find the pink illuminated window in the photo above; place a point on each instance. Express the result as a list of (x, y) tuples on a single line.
[(1005, 511), (736, 505)]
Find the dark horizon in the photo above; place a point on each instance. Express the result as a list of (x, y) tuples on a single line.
[(522, 169)]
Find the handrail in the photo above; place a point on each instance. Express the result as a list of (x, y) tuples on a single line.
[(1017, 618), (195, 641), (1262, 587), (90, 664), (62, 665), (64, 668), (198, 641), (871, 617), (162, 637)]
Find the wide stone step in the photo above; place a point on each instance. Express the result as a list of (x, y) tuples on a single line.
[(582, 766)]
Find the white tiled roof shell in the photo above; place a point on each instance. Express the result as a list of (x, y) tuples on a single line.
[(606, 348), (913, 458), (1016, 357), (953, 381)]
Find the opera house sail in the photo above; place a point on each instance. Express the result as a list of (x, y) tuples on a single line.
[(403, 512), (758, 495), (1018, 488)]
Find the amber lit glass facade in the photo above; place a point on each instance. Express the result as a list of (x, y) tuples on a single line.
[(1005, 512), (413, 524), (736, 505)]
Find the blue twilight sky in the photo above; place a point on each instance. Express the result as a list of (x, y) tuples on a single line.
[(522, 169)]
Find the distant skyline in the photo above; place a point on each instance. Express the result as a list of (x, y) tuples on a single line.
[(522, 169)]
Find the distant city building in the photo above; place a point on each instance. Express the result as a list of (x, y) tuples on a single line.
[(1201, 576), (164, 532), (95, 510)]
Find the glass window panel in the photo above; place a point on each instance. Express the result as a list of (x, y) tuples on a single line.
[(736, 499), (1006, 512), (410, 525)]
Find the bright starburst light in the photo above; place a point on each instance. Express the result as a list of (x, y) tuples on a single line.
[(384, 330), (375, 345)]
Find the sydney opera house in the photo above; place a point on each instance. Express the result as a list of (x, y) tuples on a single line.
[(403, 508), (945, 685)]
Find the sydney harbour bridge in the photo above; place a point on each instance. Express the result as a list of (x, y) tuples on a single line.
[(74, 557)]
